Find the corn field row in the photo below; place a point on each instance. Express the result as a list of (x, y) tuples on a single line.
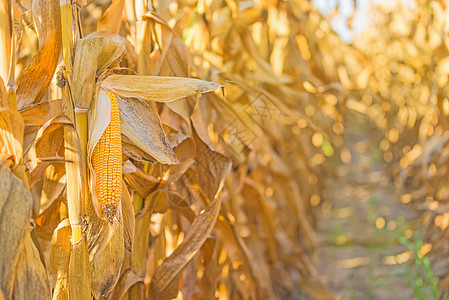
[(177, 149)]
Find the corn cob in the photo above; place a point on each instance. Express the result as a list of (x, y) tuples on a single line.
[(107, 163)]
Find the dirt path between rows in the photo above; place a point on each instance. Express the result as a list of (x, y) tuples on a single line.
[(360, 224)]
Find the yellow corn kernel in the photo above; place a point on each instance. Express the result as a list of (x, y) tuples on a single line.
[(107, 163)]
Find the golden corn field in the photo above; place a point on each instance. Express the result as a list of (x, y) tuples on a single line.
[(223, 149)]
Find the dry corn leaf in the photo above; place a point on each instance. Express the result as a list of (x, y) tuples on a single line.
[(157, 203), (180, 204), (129, 149), (140, 182), (128, 219), (41, 113), (46, 223), (11, 136), (210, 162), (128, 279), (35, 79), (163, 35), (15, 208), (130, 57), (141, 125), (92, 57), (164, 282), (138, 260), (4, 100), (238, 254), (178, 59), (58, 271), (106, 266), (175, 137), (6, 43), (157, 88), (53, 186), (143, 46), (257, 203), (79, 283), (112, 18), (47, 143), (206, 285), (99, 233), (31, 280)]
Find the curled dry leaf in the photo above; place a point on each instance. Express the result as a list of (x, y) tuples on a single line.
[(128, 279), (4, 101), (15, 210), (129, 59), (143, 128), (31, 280), (35, 79), (157, 88), (99, 233), (213, 163), (53, 185), (79, 282), (5, 41), (11, 136), (112, 18), (128, 219), (207, 283), (107, 265), (46, 223), (164, 282), (59, 260), (139, 181), (41, 113), (47, 143), (92, 56)]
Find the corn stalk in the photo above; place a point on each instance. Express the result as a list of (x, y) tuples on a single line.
[(75, 145)]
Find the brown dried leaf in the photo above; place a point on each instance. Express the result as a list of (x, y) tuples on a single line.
[(58, 271), (128, 219), (46, 223), (178, 58), (111, 19), (47, 143), (15, 210), (31, 280), (140, 181), (99, 233), (4, 101), (106, 266), (213, 165), (207, 285), (41, 113), (141, 125), (92, 56), (54, 184), (128, 279), (11, 135), (130, 57), (168, 273), (157, 88), (5, 41), (163, 35), (34, 80), (79, 285), (238, 254), (135, 152)]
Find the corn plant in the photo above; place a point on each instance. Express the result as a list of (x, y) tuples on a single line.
[(163, 150)]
